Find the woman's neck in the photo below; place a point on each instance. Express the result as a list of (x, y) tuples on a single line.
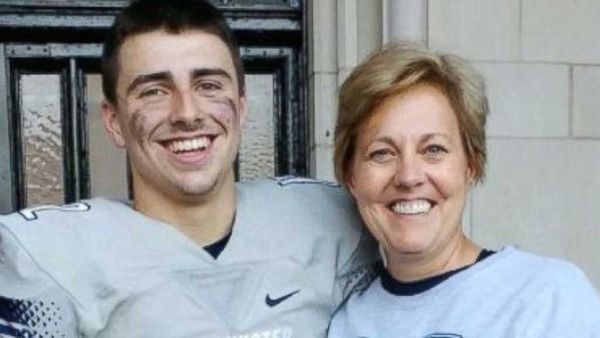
[(459, 252)]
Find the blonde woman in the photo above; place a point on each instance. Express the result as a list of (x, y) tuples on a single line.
[(410, 144)]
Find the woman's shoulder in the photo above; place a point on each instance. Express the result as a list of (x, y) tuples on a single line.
[(543, 266), (549, 275)]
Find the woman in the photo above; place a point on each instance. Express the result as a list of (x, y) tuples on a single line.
[(410, 144)]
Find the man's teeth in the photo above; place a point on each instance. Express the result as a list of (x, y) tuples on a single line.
[(199, 143), (411, 207)]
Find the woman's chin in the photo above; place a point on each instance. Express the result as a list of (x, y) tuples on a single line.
[(407, 251)]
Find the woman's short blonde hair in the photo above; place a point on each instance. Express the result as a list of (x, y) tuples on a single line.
[(396, 68)]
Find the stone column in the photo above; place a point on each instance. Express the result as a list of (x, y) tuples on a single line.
[(405, 20)]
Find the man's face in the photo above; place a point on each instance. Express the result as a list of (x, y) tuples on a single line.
[(178, 112)]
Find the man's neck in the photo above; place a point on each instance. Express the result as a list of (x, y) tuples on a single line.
[(205, 220)]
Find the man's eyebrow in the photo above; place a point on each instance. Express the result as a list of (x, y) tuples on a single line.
[(145, 78), (200, 72)]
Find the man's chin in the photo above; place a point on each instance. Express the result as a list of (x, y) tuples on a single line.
[(199, 188)]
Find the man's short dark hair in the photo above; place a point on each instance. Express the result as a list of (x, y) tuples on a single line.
[(172, 16)]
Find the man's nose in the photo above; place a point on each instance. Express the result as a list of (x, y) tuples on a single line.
[(185, 108)]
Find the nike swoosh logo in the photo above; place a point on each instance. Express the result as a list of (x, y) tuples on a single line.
[(276, 301)]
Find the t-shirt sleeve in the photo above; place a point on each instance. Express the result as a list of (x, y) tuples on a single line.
[(576, 310), (565, 304), (31, 303)]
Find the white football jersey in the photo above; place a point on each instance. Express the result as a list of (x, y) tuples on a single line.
[(100, 269)]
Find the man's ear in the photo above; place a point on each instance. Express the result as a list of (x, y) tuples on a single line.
[(243, 109), (111, 123)]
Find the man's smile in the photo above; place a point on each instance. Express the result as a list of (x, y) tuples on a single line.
[(188, 145)]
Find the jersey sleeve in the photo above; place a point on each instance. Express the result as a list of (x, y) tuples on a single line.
[(358, 252), (31, 303), (358, 271)]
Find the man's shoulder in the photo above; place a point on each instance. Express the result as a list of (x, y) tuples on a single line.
[(47, 230), (86, 213), (286, 189), (288, 182), (306, 198), (308, 208)]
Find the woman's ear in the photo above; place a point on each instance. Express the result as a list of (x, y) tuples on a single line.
[(111, 123), (349, 182), (471, 174)]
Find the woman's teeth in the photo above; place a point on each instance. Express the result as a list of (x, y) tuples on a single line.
[(411, 207)]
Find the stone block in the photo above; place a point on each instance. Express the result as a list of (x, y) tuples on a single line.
[(370, 29), (561, 31), (325, 107), (586, 101), (527, 99), (323, 168), (475, 29), (323, 44)]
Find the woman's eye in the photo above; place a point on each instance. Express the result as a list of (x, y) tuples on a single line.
[(435, 150), (382, 156)]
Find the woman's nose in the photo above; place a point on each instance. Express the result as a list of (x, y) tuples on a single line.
[(409, 172)]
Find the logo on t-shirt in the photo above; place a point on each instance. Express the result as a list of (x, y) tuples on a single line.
[(276, 301)]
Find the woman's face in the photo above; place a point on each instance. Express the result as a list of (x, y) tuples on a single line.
[(410, 175)]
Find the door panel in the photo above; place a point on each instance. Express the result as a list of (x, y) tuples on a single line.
[(257, 151), (44, 130), (41, 137)]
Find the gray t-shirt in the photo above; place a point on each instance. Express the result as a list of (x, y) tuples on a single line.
[(509, 294)]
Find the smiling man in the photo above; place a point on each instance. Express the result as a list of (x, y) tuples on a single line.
[(193, 254), (180, 123)]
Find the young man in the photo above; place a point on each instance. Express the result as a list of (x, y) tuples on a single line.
[(194, 254)]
